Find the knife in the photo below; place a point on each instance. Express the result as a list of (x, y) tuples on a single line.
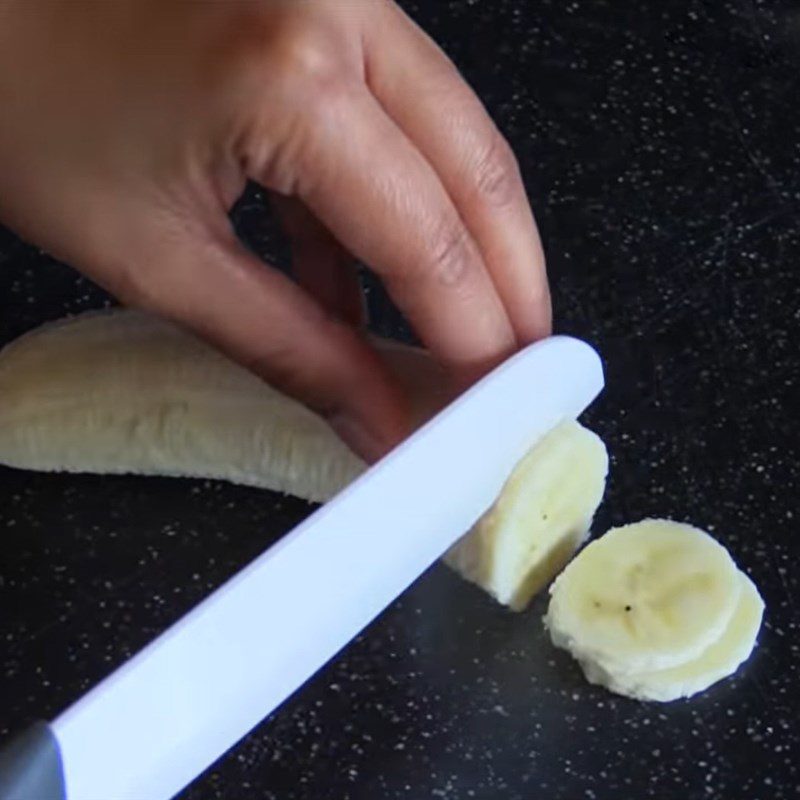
[(173, 709)]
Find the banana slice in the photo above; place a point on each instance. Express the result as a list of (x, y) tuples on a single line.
[(120, 391), (719, 661), (644, 597), (540, 519)]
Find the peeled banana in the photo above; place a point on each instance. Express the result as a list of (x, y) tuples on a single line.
[(541, 517), (656, 610), (121, 391)]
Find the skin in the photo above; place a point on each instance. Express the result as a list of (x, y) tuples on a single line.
[(130, 127)]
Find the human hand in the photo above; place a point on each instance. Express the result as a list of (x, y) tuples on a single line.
[(130, 127)]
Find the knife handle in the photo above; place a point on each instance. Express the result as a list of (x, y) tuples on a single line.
[(30, 766)]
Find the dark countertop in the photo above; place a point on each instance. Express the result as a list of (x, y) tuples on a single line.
[(662, 152)]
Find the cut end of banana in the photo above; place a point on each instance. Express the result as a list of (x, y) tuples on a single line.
[(539, 520), (656, 610)]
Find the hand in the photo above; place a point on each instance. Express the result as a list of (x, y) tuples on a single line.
[(129, 129)]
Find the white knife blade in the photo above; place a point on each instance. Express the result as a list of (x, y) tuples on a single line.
[(162, 718)]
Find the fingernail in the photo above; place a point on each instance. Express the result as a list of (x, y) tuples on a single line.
[(360, 439)]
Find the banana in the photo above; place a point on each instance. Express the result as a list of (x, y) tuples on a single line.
[(656, 610), (719, 661), (539, 520), (644, 597), (120, 391)]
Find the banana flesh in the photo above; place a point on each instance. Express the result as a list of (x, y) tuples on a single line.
[(719, 661), (540, 519), (121, 391), (656, 610)]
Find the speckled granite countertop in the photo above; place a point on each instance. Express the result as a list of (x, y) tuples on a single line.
[(661, 146)]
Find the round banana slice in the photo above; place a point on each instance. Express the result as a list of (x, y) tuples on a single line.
[(647, 596), (540, 518), (719, 661)]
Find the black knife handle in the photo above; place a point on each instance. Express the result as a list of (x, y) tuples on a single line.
[(30, 766)]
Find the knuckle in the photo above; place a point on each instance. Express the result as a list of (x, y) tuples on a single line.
[(308, 62), (451, 256), (496, 172)]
